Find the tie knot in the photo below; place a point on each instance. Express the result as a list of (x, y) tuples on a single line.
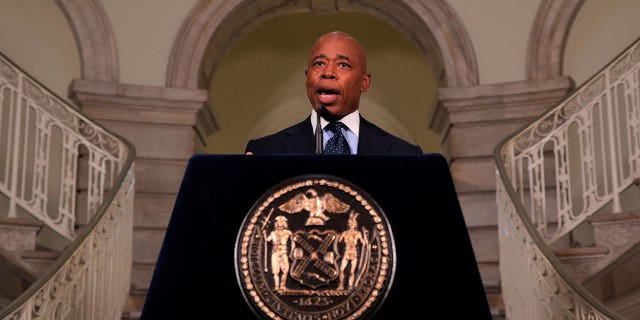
[(336, 127), (337, 144)]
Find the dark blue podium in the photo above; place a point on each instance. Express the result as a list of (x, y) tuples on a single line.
[(436, 272)]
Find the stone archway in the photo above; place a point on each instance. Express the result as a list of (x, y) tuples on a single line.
[(212, 27), (548, 38), (94, 36)]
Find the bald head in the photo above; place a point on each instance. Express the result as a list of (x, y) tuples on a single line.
[(334, 35)]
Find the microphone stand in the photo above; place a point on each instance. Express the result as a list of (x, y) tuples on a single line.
[(318, 132)]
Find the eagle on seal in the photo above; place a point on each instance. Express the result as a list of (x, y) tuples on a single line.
[(316, 206)]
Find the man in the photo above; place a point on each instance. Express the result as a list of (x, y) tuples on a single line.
[(336, 76)]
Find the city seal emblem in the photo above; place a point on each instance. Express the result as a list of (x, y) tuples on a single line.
[(315, 247)]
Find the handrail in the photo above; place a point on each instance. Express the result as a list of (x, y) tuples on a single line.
[(49, 147), (47, 144), (571, 163)]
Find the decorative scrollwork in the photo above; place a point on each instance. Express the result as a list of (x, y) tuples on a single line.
[(63, 115), (592, 90), (47, 103), (619, 68), (569, 108), (99, 138), (8, 73), (40, 301), (18, 315), (33, 92), (634, 57), (536, 132)]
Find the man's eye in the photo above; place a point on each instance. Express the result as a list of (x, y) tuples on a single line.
[(318, 63), (343, 65)]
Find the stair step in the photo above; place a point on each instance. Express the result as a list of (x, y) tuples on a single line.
[(131, 316), (20, 222), (39, 261), (583, 262), (581, 252), (46, 255), (13, 281), (18, 235), (134, 304), (616, 230), (618, 278), (614, 217), (493, 291)]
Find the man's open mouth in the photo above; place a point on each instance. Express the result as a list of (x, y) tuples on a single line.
[(328, 92), (328, 96)]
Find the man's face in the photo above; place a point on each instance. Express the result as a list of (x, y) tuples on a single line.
[(336, 74)]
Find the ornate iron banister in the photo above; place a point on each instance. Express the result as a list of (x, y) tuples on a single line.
[(63, 169), (44, 143), (572, 162)]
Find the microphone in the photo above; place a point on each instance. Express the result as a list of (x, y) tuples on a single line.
[(318, 132)]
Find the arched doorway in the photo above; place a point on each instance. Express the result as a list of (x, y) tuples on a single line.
[(213, 31)]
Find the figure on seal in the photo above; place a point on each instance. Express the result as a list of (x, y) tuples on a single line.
[(351, 238), (280, 237)]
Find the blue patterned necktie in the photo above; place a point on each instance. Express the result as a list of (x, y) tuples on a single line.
[(337, 144)]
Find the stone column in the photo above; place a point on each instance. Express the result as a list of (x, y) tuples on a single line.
[(166, 126)]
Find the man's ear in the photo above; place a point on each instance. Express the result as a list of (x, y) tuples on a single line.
[(366, 82)]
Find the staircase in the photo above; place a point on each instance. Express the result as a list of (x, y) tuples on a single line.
[(66, 207), (15, 275), (610, 268), (21, 263), (616, 234), (570, 175)]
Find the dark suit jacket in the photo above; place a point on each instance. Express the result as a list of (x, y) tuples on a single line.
[(299, 138)]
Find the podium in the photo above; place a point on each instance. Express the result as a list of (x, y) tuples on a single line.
[(436, 275)]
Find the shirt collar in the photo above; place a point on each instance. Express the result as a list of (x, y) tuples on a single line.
[(352, 121)]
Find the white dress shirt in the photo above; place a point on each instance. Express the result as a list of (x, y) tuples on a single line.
[(352, 121)]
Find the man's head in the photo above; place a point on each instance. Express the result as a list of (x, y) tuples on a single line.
[(337, 73)]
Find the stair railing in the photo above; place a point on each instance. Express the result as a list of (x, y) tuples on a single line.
[(571, 163), (63, 169)]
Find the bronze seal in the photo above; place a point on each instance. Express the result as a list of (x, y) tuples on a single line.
[(315, 247)]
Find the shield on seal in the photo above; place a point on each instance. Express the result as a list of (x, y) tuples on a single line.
[(315, 247), (314, 263)]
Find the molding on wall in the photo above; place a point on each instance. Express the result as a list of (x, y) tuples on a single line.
[(504, 101), (548, 38), (95, 39), (145, 104)]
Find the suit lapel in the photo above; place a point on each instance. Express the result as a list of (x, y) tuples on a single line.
[(369, 141), (299, 138)]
